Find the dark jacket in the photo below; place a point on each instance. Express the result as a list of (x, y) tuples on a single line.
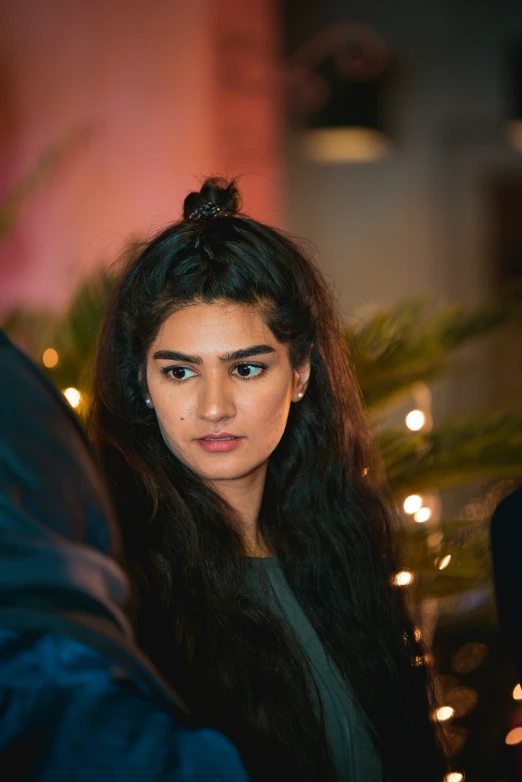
[(506, 550), (77, 698)]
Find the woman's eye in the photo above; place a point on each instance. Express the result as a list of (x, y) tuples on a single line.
[(178, 373), (247, 371)]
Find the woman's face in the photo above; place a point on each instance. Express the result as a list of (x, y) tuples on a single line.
[(221, 385)]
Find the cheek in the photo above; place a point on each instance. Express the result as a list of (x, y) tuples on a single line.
[(173, 412), (268, 413)]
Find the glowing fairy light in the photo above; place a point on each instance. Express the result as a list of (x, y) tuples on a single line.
[(514, 736), (454, 776), (443, 564), (517, 693), (444, 713), (50, 358), (422, 515), (415, 420), (417, 633), (73, 396), (403, 578), (412, 504)]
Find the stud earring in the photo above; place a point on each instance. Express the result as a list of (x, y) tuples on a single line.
[(300, 395), (148, 401)]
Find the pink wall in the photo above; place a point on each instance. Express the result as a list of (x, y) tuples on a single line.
[(168, 91)]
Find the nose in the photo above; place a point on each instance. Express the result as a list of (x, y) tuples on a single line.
[(215, 401)]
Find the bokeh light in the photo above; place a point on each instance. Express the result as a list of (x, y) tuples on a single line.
[(422, 515), (412, 504), (469, 657), (415, 420), (403, 578), (514, 736), (444, 713), (73, 396), (50, 358)]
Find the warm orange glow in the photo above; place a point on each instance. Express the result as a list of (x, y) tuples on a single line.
[(514, 736), (517, 693), (412, 504), (403, 578), (445, 562), (422, 515), (444, 713), (50, 358), (73, 396), (345, 145), (454, 776), (415, 420)]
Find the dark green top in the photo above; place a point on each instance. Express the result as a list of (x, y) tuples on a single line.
[(353, 752)]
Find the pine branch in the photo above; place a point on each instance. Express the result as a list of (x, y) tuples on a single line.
[(397, 348), (465, 541), (483, 448)]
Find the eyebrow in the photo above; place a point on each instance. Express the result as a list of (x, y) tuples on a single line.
[(237, 355)]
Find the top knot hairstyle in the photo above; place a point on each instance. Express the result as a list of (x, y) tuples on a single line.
[(231, 658), (216, 197)]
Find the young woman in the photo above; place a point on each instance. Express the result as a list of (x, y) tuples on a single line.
[(234, 443)]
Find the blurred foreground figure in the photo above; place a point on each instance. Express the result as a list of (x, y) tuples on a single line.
[(77, 700), (506, 549)]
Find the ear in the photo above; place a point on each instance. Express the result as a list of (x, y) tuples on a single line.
[(144, 390), (301, 379)]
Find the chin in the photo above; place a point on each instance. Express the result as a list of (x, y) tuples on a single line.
[(222, 475), (226, 472)]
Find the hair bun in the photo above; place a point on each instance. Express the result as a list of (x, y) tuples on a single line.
[(217, 197)]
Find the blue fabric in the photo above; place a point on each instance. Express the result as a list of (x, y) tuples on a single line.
[(67, 714), (56, 524)]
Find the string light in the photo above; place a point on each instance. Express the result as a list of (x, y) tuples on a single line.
[(403, 578), (514, 736), (417, 633), (445, 562), (412, 504), (444, 713), (454, 776), (50, 358), (415, 420), (73, 396), (422, 515), (517, 693)]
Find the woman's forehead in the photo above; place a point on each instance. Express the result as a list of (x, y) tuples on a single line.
[(214, 328)]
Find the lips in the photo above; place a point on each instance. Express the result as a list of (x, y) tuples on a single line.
[(221, 436), (219, 443)]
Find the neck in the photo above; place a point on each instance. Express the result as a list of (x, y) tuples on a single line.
[(244, 495)]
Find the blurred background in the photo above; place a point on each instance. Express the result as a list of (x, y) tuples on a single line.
[(389, 137)]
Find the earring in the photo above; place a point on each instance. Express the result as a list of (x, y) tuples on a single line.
[(148, 401), (300, 395)]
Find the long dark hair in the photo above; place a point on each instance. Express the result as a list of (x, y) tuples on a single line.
[(227, 654)]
